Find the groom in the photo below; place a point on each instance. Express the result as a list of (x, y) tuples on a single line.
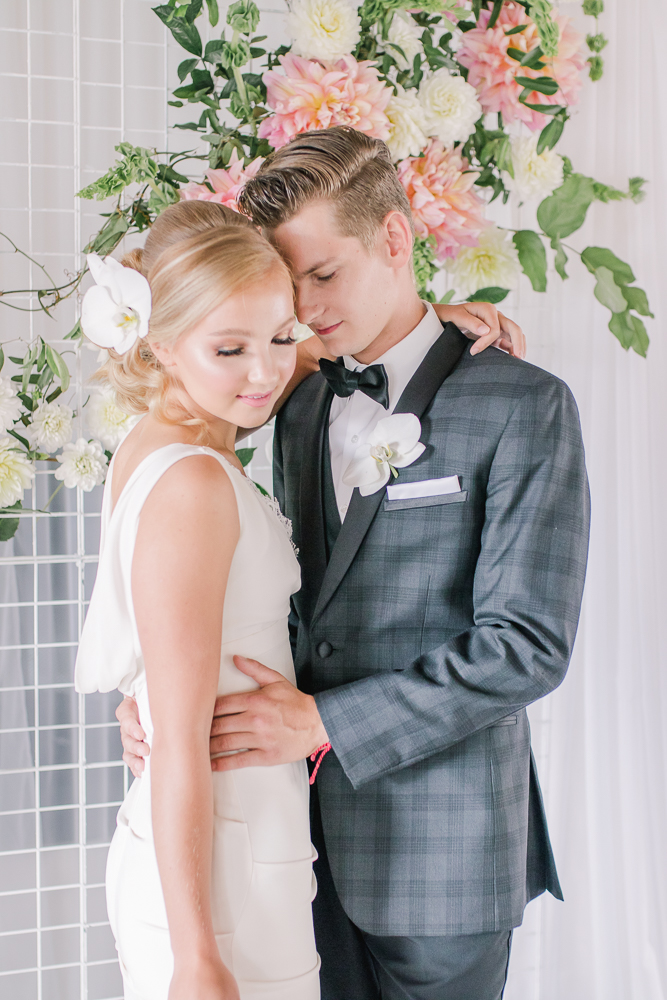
[(432, 610)]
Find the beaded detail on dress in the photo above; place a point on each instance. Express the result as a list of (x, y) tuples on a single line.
[(273, 505)]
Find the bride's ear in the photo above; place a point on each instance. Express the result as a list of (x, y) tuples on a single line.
[(162, 353)]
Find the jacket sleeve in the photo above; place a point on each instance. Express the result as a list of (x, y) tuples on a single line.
[(527, 594)]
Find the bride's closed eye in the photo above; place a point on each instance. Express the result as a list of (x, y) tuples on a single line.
[(287, 341)]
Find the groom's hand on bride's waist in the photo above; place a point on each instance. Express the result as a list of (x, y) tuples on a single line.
[(275, 724)]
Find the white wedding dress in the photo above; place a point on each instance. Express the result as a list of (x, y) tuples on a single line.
[(262, 881)]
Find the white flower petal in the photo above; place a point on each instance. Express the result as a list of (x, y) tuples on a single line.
[(97, 317), (363, 471), (399, 427), (374, 487), (409, 457)]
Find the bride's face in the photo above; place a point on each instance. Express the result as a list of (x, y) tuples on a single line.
[(235, 364)]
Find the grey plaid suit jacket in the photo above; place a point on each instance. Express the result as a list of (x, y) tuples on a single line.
[(427, 632)]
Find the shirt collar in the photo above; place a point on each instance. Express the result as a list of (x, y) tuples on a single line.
[(403, 359)]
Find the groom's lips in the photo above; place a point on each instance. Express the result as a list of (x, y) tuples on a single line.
[(324, 331)]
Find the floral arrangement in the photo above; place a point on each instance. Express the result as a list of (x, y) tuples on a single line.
[(471, 97)]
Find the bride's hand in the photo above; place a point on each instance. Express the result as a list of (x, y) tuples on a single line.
[(482, 322), (209, 980)]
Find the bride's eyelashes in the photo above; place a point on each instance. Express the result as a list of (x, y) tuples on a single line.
[(234, 352)]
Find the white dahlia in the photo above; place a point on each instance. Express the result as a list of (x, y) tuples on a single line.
[(10, 404), (16, 472), (51, 426), (407, 35), (407, 136), (494, 263), (106, 420), (325, 30), (83, 464), (450, 105), (536, 175)]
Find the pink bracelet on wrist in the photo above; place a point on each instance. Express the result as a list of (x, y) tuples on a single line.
[(324, 749)]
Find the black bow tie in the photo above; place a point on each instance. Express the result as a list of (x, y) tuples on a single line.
[(372, 380)]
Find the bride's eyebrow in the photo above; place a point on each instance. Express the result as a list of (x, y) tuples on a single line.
[(230, 332)]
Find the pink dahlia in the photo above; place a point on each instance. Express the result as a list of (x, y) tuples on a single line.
[(492, 72), (308, 95), (442, 198), (226, 184)]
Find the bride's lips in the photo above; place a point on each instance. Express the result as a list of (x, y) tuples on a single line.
[(256, 400), (324, 331)]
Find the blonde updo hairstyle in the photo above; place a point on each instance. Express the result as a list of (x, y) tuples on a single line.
[(197, 254)]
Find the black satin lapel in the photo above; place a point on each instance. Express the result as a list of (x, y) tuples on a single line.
[(312, 536), (420, 390)]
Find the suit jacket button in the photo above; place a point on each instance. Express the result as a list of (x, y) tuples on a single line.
[(324, 649)]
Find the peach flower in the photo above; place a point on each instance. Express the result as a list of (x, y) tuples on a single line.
[(492, 71), (308, 95), (443, 201), (226, 184)]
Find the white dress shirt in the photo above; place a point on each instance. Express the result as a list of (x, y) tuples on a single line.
[(352, 419)]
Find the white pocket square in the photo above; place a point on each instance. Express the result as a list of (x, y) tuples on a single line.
[(427, 488)]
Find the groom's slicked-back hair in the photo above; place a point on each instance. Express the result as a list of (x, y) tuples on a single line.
[(339, 164)]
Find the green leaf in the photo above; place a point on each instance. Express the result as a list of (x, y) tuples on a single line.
[(109, 235), (544, 109), (550, 135), (533, 59), (543, 84), (58, 366), (2, 358), (185, 67), (560, 259), (607, 291), (593, 7), (492, 294), (630, 332), (447, 297), (9, 525), (516, 29), (244, 455), (193, 10), (213, 12), (641, 341), (76, 333), (185, 33), (565, 210), (497, 6), (516, 54), (596, 257), (637, 300), (532, 257)]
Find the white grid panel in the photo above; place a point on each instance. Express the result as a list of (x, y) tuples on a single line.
[(76, 77)]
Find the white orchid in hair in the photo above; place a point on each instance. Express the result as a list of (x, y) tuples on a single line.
[(116, 310), (392, 444)]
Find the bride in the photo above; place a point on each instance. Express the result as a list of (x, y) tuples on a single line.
[(209, 878)]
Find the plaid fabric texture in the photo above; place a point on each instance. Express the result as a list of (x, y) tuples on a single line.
[(427, 634)]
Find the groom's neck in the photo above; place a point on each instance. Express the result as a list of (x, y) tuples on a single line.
[(408, 314)]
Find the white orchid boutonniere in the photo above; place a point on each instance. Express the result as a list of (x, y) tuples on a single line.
[(392, 444), (116, 310)]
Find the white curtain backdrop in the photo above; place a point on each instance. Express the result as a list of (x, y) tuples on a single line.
[(600, 739)]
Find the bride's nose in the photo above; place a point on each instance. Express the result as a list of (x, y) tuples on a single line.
[(263, 371)]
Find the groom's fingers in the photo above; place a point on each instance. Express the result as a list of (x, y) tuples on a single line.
[(234, 742), (253, 758), (253, 668)]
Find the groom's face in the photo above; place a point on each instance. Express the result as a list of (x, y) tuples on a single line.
[(344, 293)]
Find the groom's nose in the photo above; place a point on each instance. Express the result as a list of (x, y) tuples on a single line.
[(307, 307)]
